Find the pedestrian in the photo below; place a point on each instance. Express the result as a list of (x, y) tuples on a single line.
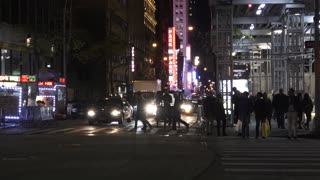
[(268, 108), (141, 113), (167, 101), (292, 114), (280, 105), (159, 103), (234, 99), (177, 112), (2, 117), (307, 106), (300, 110), (260, 112), (220, 115), (245, 109), (208, 111)]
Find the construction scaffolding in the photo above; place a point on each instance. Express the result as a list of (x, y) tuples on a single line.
[(222, 42), (288, 59)]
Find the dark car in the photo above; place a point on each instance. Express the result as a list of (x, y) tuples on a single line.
[(109, 110)]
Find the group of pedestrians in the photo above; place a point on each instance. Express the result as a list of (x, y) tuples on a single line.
[(168, 109), (293, 106), (213, 110)]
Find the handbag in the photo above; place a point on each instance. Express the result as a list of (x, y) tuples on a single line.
[(265, 130), (238, 127)]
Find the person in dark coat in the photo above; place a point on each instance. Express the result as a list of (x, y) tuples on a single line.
[(234, 99), (260, 112), (220, 115), (141, 114), (245, 109), (269, 108), (299, 110), (280, 105), (167, 100), (292, 114), (307, 107), (208, 111), (177, 112), (2, 117)]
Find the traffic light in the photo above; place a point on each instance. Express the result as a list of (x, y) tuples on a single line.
[(249, 5)]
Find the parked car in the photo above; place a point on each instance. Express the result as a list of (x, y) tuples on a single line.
[(109, 110)]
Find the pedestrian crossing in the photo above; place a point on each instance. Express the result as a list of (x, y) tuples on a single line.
[(270, 158), (95, 130)]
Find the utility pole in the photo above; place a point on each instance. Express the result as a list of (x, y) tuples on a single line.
[(317, 67)]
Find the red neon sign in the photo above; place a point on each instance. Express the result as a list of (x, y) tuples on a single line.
[(62, 80)]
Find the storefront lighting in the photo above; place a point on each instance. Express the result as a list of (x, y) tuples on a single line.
[(19, 101), (252, 27)]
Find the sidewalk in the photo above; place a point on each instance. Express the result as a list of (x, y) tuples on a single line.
[(274, 131), (9, 125)]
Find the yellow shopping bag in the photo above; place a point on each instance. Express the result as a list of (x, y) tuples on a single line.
[(265, 129)]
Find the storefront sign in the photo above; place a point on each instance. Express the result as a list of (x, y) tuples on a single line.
[(24, 78), (27, 78), (45, 83)]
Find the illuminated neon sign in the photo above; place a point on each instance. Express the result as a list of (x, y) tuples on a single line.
[(132, 59), (45, 83), (22, 78), (19, 101), (172, 56)]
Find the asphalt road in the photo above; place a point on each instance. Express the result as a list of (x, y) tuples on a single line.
[(75, 150)]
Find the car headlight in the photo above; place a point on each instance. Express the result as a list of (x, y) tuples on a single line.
[(151, 109), (186, 108), (91, 113), (115, 112)]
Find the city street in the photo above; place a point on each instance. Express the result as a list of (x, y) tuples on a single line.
[(74, 150)]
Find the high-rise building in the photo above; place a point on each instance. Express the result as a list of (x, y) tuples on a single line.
[(180, 22)]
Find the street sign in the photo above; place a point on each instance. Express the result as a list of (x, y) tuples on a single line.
[(311, 44)]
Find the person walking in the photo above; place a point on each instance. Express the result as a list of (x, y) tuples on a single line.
[(245, 109), (208, 111), (220, 115), (299, 110), (141, 114), (2, 117), (269, 108), (234, 99), (260, 112), (177, 112), (307, 107), (292, 114), (280, 105), (167, 101)]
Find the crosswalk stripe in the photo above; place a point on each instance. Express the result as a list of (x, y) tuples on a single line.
[(272, 155), (60, 130), (269, 164), (98, 130), (75, 131), (270, 158), (38, 131), (273, 170)]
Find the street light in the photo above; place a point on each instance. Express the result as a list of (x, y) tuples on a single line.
[(205, 69), (190, 28), (28, 40), (154, 45), (196, 60)]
